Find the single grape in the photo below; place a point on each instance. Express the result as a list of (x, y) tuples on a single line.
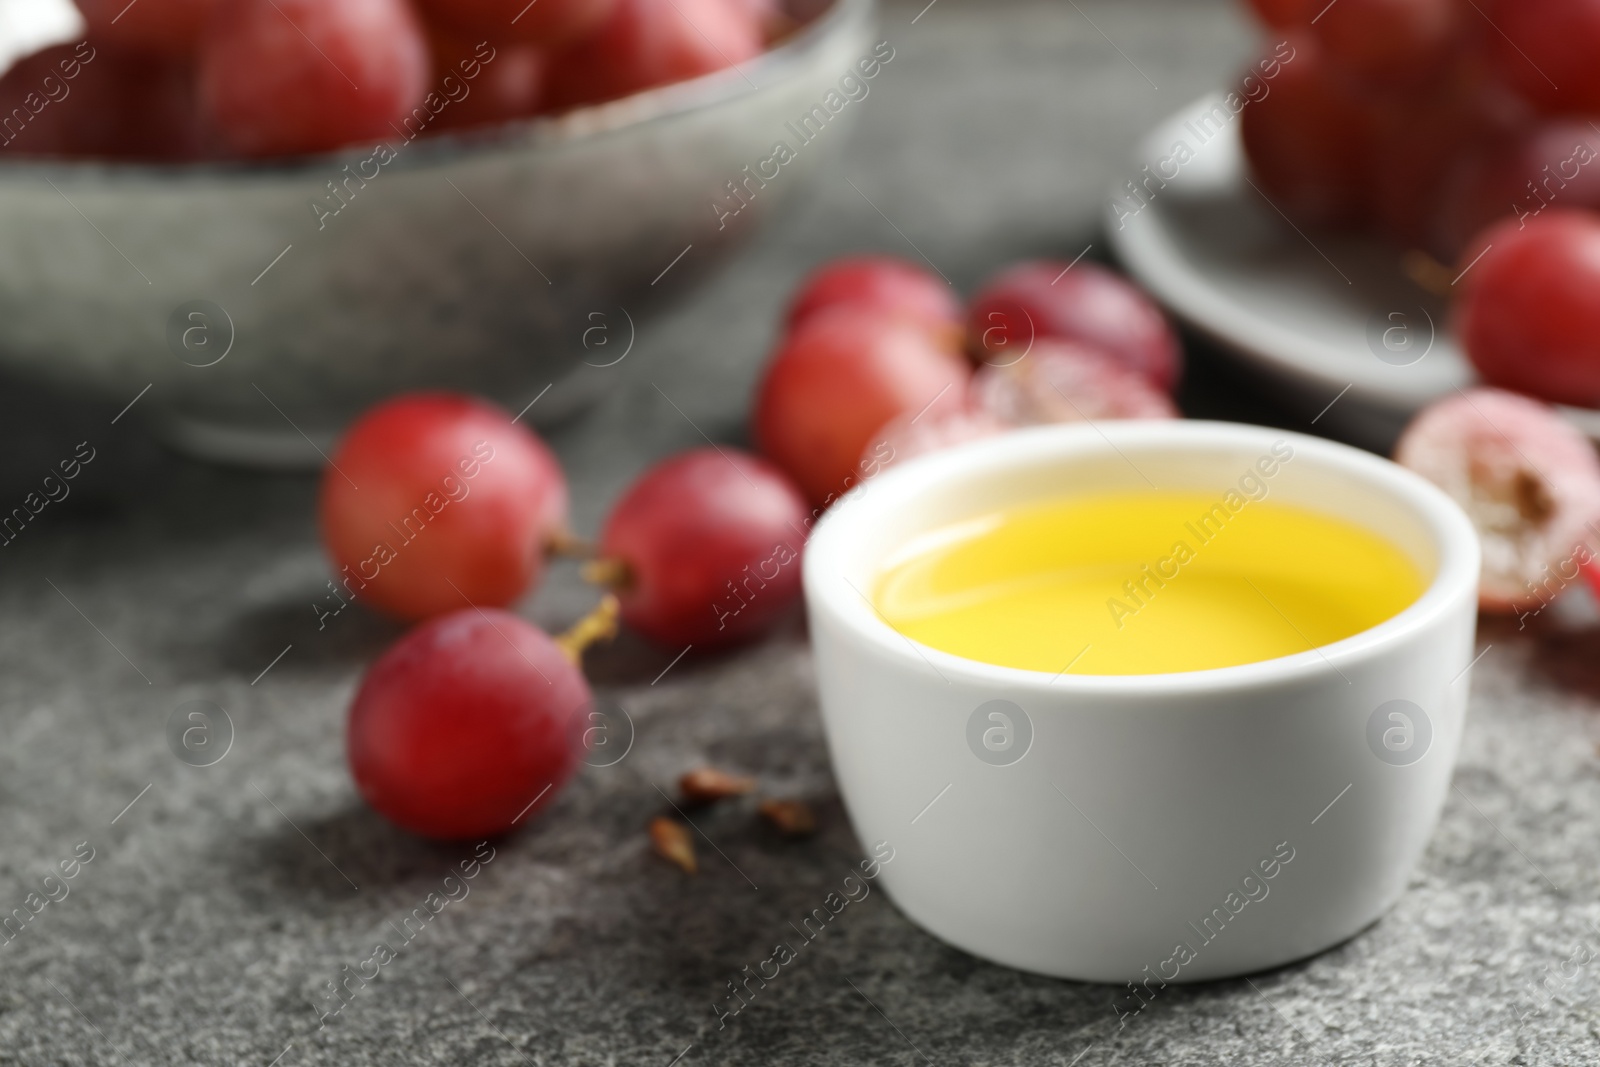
[(1061, 381), (1529, 481), (1419, 139), (1087, 303), (902, 438), (547, 23), (467, 726), (281, 77), (1528, 315), (645, 43), (890, 285), (1283, 14), (1387, 42), (1310, 142), (98, 102), (836, 380), (508, 85), (1545, 50), (1550, 163), (433, 502), (164, 27), (704, 548)]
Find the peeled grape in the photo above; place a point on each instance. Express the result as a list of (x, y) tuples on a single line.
[(1042, 299), (836, 380), (890, 285), (1529, 481), (706, 546), (1066, 382), (467, 726), (433, 502), (281, 77), (1528, 314)]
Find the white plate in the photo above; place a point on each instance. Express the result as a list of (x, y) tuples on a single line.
[(1325, 316)]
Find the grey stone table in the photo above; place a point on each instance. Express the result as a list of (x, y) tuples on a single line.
[(220, 901)]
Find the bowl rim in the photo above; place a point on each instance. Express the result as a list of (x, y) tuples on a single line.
[(1449, 526), (590, 122)]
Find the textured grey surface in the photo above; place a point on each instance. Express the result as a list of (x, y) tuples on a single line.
[(219, 904)]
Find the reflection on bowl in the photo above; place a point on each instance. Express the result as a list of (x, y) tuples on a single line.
[(263, 304)]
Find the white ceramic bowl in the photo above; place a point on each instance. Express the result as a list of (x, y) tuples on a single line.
[(1144, 828)]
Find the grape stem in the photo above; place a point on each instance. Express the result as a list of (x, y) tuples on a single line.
[(613, 574), (1428, 273), (565, 543), (599, 625)]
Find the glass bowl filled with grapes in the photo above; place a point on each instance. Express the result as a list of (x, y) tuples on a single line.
[(263, 216)]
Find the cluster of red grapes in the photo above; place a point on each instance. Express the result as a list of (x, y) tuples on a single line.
[(879, 362), (1468, 129), (188, 79), (1426, 120), (442, 509)]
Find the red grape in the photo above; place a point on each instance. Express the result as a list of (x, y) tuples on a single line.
[(708, 547), (509, 85), (1529, 315), (548, 23), (280, 77), (1555, 162), (1088, 304), (1529, 481), (645, 43), (1545, 49), (890, 285), (93, 101), (836, 381), (466, 722), (1387, 41), (433, 502), (167, 27), (1283, 14), (1417, 141), (1310, 142), (908, 437), (1060, 381)]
